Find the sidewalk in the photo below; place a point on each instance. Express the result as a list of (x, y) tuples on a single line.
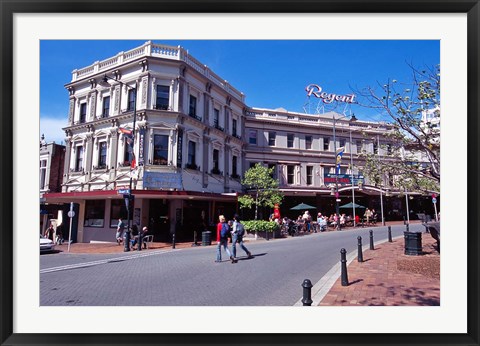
[(389, 277), (111, 247)]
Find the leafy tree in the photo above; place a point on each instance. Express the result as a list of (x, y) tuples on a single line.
[(415, 160), (263, 188)]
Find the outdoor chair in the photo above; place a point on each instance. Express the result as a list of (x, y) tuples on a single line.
[(147, 241)]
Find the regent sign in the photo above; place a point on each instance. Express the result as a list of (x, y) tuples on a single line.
[(315, 90)]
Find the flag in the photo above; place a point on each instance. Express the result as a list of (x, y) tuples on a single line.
[(134, 162), (339, 154), (129, 137), (125, 131)]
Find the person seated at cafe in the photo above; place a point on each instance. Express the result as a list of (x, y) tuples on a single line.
[(331, 220), (322, 223), (143, 234), (367, 216), (374, 217)]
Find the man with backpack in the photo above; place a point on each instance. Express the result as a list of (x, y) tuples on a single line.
[(237, 236), (223, 232)]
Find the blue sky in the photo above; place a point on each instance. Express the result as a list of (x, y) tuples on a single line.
[(271, 73)]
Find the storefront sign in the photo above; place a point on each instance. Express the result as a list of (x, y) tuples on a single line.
[(158, 180), (141, 135), (329, 178), (315, 90), (179, 148)]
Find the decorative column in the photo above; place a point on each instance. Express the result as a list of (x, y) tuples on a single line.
[(88, 152), (173, 141), (71, 111), (206, 107), (181, 93), (153, 91), (226, 116), (117, 99), (206, 148), (113, 153), (144, 84), (66, 163), (93, 105), (226, 164)]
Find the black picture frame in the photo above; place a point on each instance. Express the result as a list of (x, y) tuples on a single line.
[(10, 7)]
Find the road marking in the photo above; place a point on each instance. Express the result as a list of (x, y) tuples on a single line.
[(105, 261)]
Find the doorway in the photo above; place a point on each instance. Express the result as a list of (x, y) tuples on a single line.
[(159, 223)]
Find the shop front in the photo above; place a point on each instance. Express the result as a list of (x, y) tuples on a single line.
[(164, 212)]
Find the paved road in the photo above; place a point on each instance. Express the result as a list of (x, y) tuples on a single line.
[(189, 277)]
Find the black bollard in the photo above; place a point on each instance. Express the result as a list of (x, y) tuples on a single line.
[(307, 293), (173, 241), (371, 240), (407, 227), (389, 234), (139, 245), (195, 238), (127, 241), (343, 257), (360, 254), (266, 235)]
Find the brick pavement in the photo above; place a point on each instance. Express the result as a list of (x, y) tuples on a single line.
[(389, 277)]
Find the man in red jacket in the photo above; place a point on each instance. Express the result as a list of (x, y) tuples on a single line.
[(223, 231)]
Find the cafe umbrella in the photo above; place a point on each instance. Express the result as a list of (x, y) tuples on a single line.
[(303, 206), (352, 205)]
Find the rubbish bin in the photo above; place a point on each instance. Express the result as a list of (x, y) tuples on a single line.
[(413, 243), (206, 238)]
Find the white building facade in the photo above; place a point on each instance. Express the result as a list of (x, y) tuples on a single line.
[(187, 146)]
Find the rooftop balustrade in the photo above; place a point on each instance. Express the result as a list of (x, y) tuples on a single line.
[(150, 49)]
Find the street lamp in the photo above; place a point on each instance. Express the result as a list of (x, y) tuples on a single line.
[(351, 174), (129, 197), (352, 119), (381, 190), (406, 205)]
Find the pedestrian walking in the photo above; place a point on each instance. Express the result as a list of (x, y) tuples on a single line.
[(49, 232), (120, 229), (237, 237), (59, 236), (223, 231)]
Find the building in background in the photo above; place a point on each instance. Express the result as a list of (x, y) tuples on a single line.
[(300, 147), (52, 157)]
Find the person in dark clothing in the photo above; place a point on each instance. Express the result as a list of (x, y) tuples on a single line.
[(134, 235), (237, 237), (49, 232)]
